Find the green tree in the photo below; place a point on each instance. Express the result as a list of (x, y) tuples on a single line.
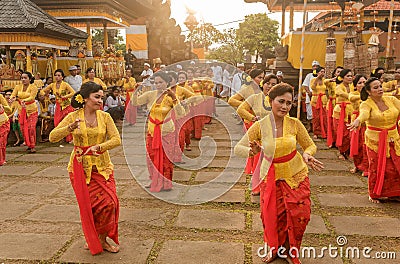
[(258, 34), (230, 50), (204, 35)]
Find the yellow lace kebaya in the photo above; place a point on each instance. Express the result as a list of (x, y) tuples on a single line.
[(7, 110), (317, 90), (244, 93), (372, 116), (105, 135), (159, 111), (293, 171), (63, 94), (27, 96), (253, 106), (342, 96)]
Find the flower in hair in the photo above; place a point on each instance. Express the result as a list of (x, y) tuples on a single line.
[(79, 98), (314, 72), (340, 78)]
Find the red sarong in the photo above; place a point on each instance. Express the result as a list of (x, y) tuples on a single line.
[(251, 163), (130, 110), (160, 167), (285, 212), (341, 127), (4, 130), (345, 145), (28, 126), (330, 133), (359, 155), (60, 114), (382, 150), (388, 184), (319, 122), (98, 203)]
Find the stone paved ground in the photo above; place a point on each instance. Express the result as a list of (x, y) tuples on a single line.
[(39, 218)]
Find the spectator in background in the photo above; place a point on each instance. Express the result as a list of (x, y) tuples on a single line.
[(115, 104), (237, 80), (279, 74), (146, 74), (74, 79)]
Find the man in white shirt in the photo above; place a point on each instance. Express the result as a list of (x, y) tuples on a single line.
[(226, 81), (237, 81), (146, 74), (307, 88), (217, 71), (74, 79)]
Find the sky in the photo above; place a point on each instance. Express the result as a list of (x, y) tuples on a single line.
[(224, 12)]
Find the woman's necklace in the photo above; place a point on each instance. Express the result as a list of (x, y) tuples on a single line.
[(91, 124)]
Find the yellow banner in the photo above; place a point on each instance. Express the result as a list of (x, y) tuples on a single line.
[(314, 47), (136, 41)]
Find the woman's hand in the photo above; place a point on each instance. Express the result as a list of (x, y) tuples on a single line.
[(255, 118), (94, 149), (74, 125), (1, 108), (11, 100), (354, 125), (170, 93), (312, 162), (255, 148), (23, 104)]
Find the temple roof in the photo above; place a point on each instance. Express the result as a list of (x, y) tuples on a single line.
[(18, 16), (312, 5), (383, 5), (115, 13)]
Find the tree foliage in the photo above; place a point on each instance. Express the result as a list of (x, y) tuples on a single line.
[(114, 38), (230, 50), (204, 35), (258, 34)]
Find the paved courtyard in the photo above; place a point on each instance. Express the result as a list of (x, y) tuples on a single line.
[(39, 217)]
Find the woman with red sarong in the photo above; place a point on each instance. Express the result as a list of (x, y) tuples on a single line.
[(25, 94), (5, 110), (253, 87), (63, 92), (342, 112), (358, 150), (161, 102), (382, 139), (318, 103), (90, 169), (285, 191), (183, 94), (129, 86), (187, 121), (253, 109), (331, 86)]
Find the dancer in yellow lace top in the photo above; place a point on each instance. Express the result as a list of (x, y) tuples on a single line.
[(331, 86), (5, 110), (63, 92), (285, 190), (256, 106), (25, 94), (129, 86), (160, 102), (318, 103), (246, 90), (90, 168), (343, 111), (380, 113)]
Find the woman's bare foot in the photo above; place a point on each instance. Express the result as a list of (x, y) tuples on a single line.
[(341, 157), (188, 148), (354, 170), (106, 246), (376, 201), (315, 137), (86, 247), (269, 258), (109, 248)]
